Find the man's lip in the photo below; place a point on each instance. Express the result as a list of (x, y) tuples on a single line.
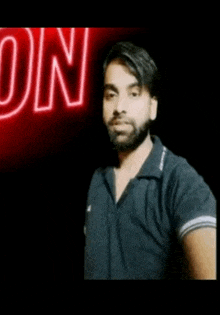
[(119, 122)]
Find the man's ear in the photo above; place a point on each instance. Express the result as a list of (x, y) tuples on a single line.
[(153, 108)]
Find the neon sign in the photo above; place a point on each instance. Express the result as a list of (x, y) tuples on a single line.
[(60, 62)]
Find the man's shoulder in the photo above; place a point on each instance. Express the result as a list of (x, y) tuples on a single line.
[(175, 164), (180, 174), (169, 161), (97, 176), (99, 171)]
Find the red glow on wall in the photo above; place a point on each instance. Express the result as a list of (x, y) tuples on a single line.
[(70, 54), (50, 86)]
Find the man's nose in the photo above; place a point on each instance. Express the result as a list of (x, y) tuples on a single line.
[(121, 105)]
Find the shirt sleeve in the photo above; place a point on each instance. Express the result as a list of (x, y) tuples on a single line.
[(194, 205)]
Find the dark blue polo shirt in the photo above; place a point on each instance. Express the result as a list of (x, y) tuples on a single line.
[(133, 238)]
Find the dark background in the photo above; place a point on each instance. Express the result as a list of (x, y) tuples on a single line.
[(43, 197)]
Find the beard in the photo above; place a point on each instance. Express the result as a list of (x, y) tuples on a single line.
[(125, 140)]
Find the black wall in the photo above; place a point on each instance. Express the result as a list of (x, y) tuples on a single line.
[(43, 203)]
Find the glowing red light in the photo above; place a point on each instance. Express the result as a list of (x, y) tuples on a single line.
[(14, 60), (56, 73), (5, 102)]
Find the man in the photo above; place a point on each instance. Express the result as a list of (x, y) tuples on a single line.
[(152, 200)]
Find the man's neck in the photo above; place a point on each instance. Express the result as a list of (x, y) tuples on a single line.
[(132, 161)]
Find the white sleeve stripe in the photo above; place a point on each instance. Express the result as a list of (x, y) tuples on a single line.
[(196, 223), (197, 226)]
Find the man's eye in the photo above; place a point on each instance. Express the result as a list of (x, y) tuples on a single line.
[(135, 94), (109, 95)]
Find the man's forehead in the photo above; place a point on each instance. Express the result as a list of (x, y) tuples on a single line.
[(117, 69), (119, 75)]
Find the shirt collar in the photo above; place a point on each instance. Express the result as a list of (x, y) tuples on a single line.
[(153, 165)]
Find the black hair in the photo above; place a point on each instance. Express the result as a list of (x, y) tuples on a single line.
[(139, 62)]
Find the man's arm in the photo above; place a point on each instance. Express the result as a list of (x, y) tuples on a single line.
[(200, 251)]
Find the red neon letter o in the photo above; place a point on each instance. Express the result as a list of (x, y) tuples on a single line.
[(12, 77), (5, 111)]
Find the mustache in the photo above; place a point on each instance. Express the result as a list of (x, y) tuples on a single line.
[(119, 120)]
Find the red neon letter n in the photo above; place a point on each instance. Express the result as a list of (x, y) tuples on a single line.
[(69, 51)]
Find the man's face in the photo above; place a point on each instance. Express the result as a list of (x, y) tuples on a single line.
[(128, 109)]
